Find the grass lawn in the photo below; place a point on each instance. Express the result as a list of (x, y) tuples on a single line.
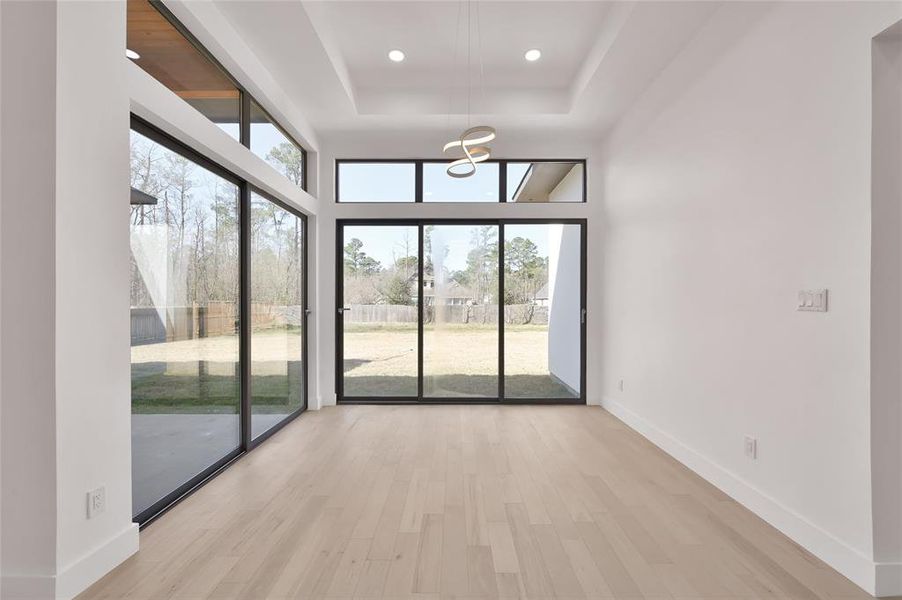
[(458, 360), (169, 377)]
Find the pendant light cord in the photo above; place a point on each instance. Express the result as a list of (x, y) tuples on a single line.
[(481, 65), (469, 69), (453, 85)]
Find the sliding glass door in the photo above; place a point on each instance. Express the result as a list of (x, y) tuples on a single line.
[(218, 319), (184, 321), (460, 311), (378, 312), (277, 314), (460, 325), (542, 311)]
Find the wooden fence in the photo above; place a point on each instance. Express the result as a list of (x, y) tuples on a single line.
[(220, 318), (514, 314), (212, 319)]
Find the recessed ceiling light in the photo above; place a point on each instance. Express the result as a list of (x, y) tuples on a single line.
[(533, 55), (132, 54), (396, 56)]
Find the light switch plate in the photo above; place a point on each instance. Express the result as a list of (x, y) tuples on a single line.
[(751, 447), (812, 300)]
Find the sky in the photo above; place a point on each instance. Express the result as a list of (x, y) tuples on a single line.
[(395, 182), (264, 136)]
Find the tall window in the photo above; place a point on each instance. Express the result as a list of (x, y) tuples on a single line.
[(277, 313), (217, 359), (450, 310), (380, 283), (184, 320)]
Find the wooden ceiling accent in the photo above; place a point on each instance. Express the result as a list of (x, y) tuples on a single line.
[(171, 59)]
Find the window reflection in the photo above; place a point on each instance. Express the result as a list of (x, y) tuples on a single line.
[(184, 320)]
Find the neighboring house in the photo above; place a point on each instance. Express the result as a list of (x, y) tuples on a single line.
[(542, 297), (453, 294)]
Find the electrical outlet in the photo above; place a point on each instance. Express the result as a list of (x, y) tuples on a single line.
[(620, 385), (751, 447), (96, 502)]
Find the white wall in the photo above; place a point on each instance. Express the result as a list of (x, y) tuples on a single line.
[(564, 319), (751, 182), (425, 145), (565, 304), (28, 471), (66, 386), (570, 188), (93, 386), (886, 305), (64, 320)]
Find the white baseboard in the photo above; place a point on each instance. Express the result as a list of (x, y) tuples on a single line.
[(74, 578), (888, 579), (78, 576), (882, 580)]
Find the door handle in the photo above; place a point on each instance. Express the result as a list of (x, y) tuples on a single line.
[(344, 309)]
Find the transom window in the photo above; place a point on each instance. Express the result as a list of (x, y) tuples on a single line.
[(159, 44), (416, 180)]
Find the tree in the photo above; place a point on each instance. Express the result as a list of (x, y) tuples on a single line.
[(524, 271), (358, 262), (481, 274), (289, 160), (397, 289), (198, 213)]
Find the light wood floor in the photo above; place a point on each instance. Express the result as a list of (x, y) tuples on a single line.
[(464, 502)]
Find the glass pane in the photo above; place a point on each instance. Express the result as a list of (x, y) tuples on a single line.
[(460, 291), (380, 329), (184, 321), (376, 182), (170, 58), (545, 182), (542, 311), (272, 145), (438, 186), (277, 314)]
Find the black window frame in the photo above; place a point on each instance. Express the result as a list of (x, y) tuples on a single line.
[(247, 442), (419, 182), (421, 224), (244, 97), (245, 224)]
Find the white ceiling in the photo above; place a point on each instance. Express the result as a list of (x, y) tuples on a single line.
[(597, 58)]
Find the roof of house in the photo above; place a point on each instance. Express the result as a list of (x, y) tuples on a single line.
[(452, 289)]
